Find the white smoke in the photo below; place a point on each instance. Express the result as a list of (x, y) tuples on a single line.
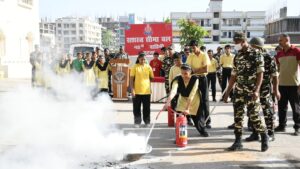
[(62, 128)]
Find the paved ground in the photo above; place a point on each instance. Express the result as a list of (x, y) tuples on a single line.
[(201, 152)]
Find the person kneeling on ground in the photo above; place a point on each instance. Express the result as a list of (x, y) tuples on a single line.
[(186, 86)]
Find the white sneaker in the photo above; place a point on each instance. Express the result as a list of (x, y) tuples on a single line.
[(147, 125), (136, 126)]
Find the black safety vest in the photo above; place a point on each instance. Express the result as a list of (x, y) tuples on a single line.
[(182, 90)]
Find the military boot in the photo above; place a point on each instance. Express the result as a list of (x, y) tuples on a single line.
[(264, 142), (237, 145), (253, 137)]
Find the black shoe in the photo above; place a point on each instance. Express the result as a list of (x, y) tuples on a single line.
[(296, 133), (252, 137), (204, 133), (231, 126), (264, 142), (236, 146), (208, 126), (214, 100), (250, 128), (280, 129)]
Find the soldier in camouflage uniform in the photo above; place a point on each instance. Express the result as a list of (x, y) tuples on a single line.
[(168, 62), (270, 74), (247, 73)]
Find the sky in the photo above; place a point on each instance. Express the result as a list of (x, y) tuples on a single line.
[(149, 9)]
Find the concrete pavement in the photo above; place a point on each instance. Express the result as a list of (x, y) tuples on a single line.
[(201, 152)]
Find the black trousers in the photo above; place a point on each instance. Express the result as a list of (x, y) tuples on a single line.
[(226, 73), (204, 96), (109, 81), (33, 77), (289, 94), (199, 119), (138, 100), (212, 79)]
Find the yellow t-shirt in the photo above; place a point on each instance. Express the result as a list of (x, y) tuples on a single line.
[(142, 75), (199, 61), (226, 61), (182, 101), (213, 66), (174, 71), (102, 77)]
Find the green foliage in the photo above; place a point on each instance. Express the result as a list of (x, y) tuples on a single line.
[(167, 20), (107, 38), (190, 30)]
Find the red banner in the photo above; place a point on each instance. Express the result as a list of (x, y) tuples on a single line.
[(149, 38)]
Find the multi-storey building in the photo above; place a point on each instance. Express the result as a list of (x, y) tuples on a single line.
[(70, 30), (282, 18), (19, 32), (47, 35), (220, 24)]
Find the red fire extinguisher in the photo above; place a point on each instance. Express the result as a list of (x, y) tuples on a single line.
[(181, 131), (170, 117)]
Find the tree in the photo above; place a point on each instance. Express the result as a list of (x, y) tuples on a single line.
[(190, 30), (167, 20), (107, 39)]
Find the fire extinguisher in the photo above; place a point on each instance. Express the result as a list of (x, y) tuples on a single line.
[(170, 117), (181, 131)]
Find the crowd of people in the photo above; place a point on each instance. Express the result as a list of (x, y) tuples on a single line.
[(247, 74), (93, 68)]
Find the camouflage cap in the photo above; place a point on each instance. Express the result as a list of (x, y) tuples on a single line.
[(239, 36), (256, 41)]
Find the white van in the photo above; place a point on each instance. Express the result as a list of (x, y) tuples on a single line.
[(83, 47)]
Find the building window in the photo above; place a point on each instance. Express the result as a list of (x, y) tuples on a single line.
[(66, 32), (224, 35), (59, 32), (81, 32), (26, 3), (202, 22), (73, 39), (80, 25), (73, 25), (66, 40), (216, 14), (215, 26), (248, 34), (66, 25), (229, 34), (215, 38), (81, 38), (59, 25), (73, 32)]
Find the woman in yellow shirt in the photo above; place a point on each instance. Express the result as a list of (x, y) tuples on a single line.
[(101, 71), (174, 72), (189, 102), (141, 75), (89, 74), (63, 67)]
